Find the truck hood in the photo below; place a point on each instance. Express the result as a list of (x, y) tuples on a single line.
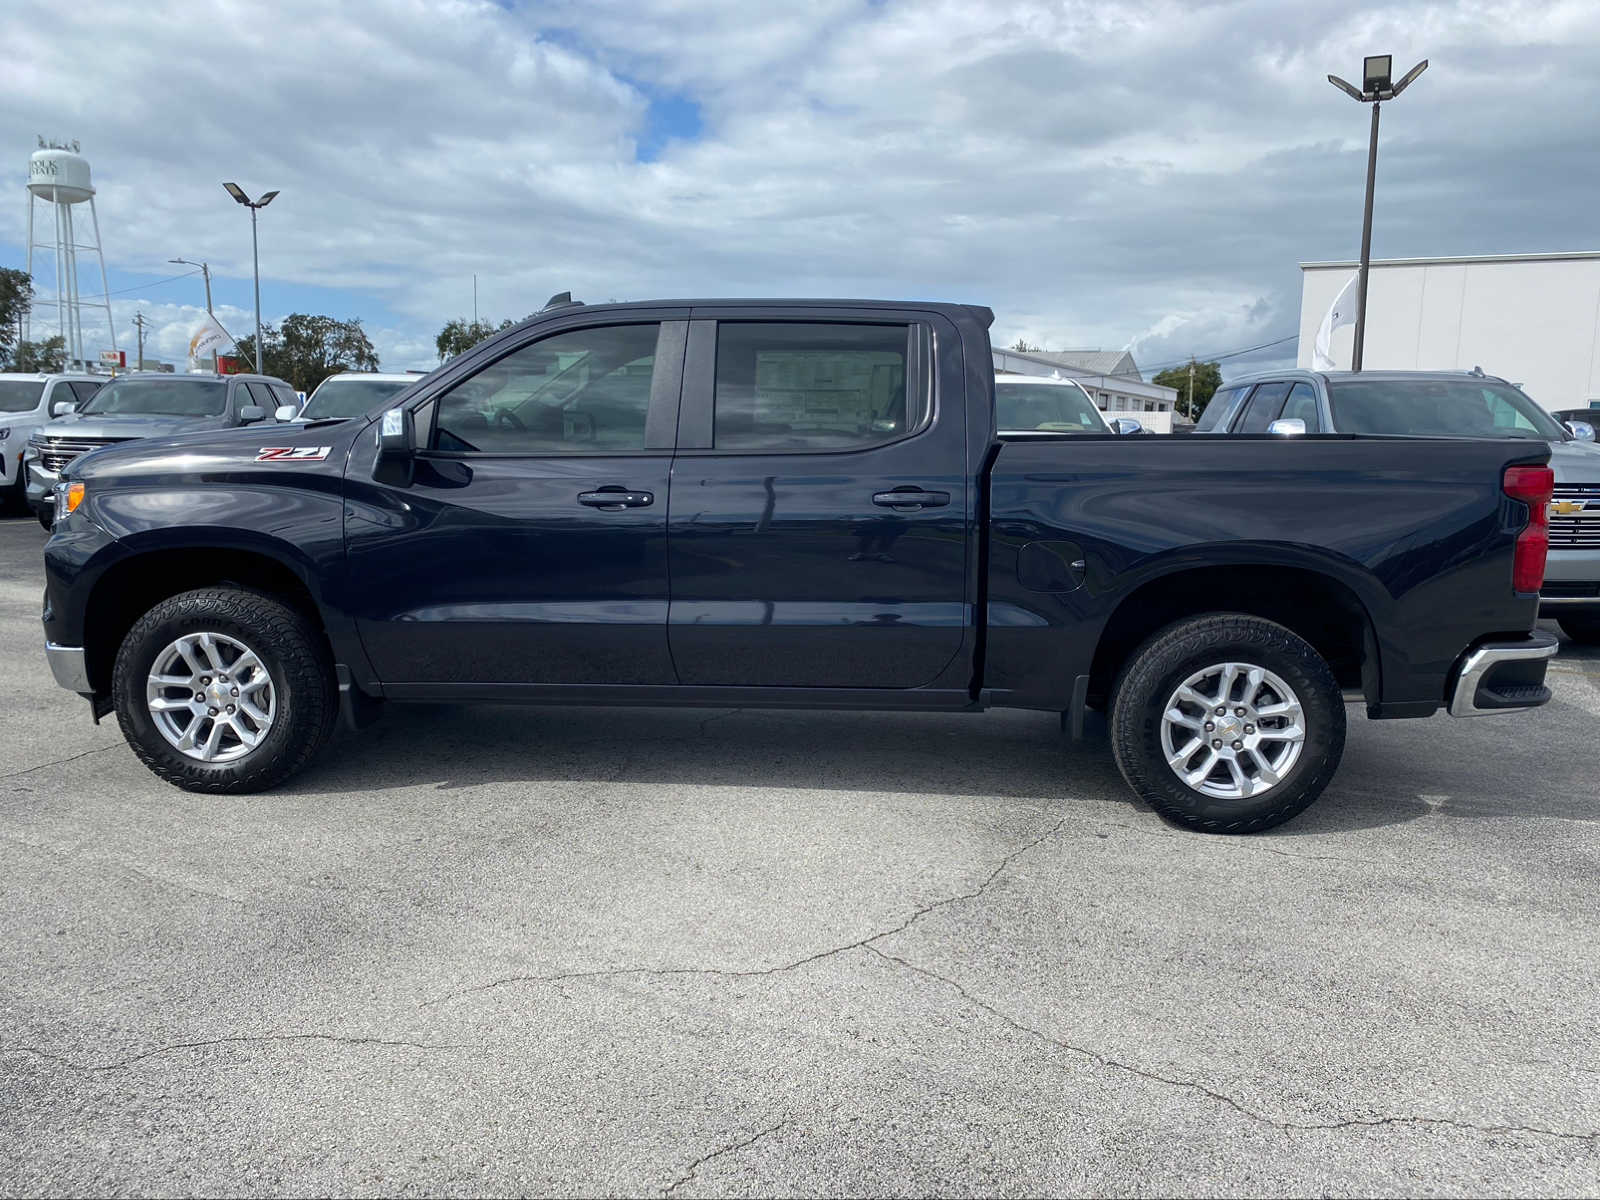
[(203, 455), (1575, 462), (124, 425)]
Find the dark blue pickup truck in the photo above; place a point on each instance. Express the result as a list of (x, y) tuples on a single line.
[(802, 504)]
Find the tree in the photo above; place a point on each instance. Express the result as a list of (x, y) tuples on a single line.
[(306, 349), (48, 356), (16, 298), (1022, 346), (461, 335), (1207, 379)]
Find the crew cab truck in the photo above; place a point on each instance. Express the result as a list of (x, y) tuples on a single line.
[(792, 504)]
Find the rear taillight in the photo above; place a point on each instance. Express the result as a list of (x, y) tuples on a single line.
[(1533, 486)]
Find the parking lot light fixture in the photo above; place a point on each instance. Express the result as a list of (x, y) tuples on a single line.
[(238, 193), (1376, 86)]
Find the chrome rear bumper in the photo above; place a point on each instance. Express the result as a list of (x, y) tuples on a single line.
[(1500, 677)]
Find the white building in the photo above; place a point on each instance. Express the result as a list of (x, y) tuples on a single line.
[(1111, 378), (1533, 319)]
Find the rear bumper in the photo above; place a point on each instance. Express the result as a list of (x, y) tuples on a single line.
[(1504, 675)]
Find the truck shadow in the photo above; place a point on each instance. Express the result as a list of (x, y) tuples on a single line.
[(1393, 772)]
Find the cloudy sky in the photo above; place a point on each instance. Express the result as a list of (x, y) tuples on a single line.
[(1100, 174)]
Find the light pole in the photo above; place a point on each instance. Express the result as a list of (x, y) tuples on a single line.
[(1376, 70), (254, 206)]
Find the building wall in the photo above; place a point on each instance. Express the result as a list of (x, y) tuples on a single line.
[(1532, 319)]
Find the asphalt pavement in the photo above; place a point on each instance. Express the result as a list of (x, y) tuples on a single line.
[(653, 952)]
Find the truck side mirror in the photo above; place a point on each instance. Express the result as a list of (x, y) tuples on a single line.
[(251, 413), (1581, 430), (1126, 426), (396, 439), (61, 408), (1287, 427), (286, 412)]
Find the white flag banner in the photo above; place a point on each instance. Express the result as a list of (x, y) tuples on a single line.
[(209, 339), (1341, 312)]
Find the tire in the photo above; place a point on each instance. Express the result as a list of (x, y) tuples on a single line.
[(1198, 652), (47, 519), (1583, 628), (298, 700)]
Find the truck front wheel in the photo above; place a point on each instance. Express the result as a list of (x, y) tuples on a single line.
[(1227, 723), (224, 690)]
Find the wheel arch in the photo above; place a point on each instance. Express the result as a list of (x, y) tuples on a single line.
[(150, 572), (1321, 605)]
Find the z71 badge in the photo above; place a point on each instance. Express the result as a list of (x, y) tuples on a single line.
[(293, 453)]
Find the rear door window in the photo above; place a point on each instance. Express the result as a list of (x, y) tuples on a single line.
[(817, 386), (1262, 410)]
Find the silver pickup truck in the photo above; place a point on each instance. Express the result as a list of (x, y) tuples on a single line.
[(1443, 404), (141, 406)]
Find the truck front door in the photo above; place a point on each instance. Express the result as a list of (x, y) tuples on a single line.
[(528, 543), (820, 503)]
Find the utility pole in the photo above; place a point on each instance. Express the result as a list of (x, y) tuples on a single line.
[(139, 323), (1190, 413)]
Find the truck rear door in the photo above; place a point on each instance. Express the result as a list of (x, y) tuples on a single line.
[(821, 509)]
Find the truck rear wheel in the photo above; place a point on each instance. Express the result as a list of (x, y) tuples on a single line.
[(1227, 723), (224, 690)]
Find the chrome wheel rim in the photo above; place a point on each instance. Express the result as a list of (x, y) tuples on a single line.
[(1232, 730), (211, 697)]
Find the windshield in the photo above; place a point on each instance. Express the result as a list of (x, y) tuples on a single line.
[(20, 395), (160, 397), (349, 397), (1439, 408), (1053, 408)]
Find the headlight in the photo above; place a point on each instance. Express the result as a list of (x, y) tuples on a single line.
[(68, 497)]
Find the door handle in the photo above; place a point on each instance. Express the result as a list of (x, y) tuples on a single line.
[(615, 499), (911, 499)]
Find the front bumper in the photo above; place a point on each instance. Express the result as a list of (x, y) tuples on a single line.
[(1502, 676), (68, 666), (1571, 581), (41, 485)]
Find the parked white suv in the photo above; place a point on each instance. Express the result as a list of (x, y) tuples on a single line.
[(349, 394), (1032, 404), (27, 402)]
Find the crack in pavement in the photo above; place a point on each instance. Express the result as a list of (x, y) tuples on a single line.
[(56, 762), (723, 972), (731, 1148), (229, 1041), (1209, 1093)]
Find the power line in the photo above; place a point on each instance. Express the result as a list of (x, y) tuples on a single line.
[(139, 287)]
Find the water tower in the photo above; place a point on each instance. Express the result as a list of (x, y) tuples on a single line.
[(59, 176)]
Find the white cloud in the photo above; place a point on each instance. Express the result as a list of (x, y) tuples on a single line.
[(1099, 174)]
